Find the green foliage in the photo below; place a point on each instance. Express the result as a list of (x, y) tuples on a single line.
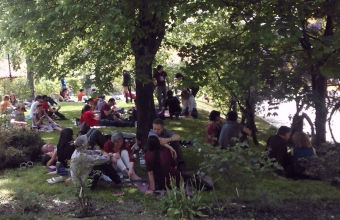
[(46, 87), (29, 201), (74, 83), (18, 145), (267, 201), (19, 86), (178, 205)]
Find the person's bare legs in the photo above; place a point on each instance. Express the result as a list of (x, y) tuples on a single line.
[(131, 172)]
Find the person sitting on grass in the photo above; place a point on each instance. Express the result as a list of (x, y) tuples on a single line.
[(93, 120), (303, 150), (173, 104), (38, 120), (189, 105), (161, 165), (50, 111), (86, 162), (19, 116), (5, 104), (80, 95), (126, 161), (63, 94), (50, 155), (100, 103), (13, 100), (213, 128), (37, 100)]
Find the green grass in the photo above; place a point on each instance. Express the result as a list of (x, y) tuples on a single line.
[(34, 179)]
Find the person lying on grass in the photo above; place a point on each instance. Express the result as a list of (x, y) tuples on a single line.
[(160, 165), (126, 161), (86, 162)]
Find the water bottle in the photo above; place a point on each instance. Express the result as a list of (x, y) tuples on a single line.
[(142, 159)]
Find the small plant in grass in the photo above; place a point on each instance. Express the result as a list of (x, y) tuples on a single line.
[(267, 201), (28, 201), (178, 205)]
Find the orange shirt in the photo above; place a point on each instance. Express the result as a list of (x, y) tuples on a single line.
[(4, 105), (80, 96)]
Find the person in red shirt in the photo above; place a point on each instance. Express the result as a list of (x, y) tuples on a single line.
[(213, 128), (127, 160), (50, 111), (160, 165)]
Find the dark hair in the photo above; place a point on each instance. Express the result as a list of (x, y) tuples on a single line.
[(44, 96), (111, 100), (185, 94), (86, 108), (64, 148), (213, 115), (232, 116), (169, 93), (102, 96), (90, 100), (37, 97), (159, 67), (283, 130), (44, 159), (158, 121), (81, 90), (178, 75)]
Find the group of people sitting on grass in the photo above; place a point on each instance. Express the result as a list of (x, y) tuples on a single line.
[(163, 157), (227, 134)]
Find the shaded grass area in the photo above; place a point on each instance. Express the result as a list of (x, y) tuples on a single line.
[(146, 207)]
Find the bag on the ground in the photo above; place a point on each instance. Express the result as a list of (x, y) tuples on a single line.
[(202, 181)]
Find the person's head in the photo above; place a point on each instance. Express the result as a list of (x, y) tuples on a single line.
[(284, 132), (6, 98), (90, 101), (81, 90), (21, 107), (44, 98), (179, 76), (158, 126), (47, 148), (102, 97), (111, 102), (44, 159), (12, 97), (81, 142), (66, 136), (185, 95), (124, 72), (232, 116), (86, 108), (117, 139), (38, 98), (169, 94), (301, 140), (153, 143), (214, 115), (64, 90), (39, 107), (160, 68)]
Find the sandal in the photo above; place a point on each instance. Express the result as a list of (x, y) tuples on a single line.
[(29, 164), (55, 180), (23, 165)]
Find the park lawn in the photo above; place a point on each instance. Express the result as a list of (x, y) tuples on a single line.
[(135, 205)]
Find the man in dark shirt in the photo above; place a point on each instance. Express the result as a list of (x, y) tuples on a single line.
[(108, 113), (193, 90), (166, 136), (50, 111), (230, 130), (277, 149), (160, 79), (126, 84)]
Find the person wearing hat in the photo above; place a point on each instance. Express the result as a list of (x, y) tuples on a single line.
[(19, 115), (86, 162)]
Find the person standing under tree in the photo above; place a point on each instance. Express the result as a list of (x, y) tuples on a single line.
[(63, 83), (87, 86), (160, 79), (126, 84)]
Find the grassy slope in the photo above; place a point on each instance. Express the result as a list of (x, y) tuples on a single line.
[(34, 179)]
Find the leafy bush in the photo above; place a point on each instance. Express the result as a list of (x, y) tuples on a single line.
[(46, 87), (20, 87), (178, 205), (74, 83), (18, 145)]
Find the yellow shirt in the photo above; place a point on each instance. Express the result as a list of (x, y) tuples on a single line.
[(4, 105)]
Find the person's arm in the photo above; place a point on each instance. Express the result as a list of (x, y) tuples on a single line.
[(53, 159), (38, 122), (48, 118), (152, 183), (107, 113), (246, 130), (172, 151)]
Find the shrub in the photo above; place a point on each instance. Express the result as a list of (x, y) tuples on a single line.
[(46, 87), (20, 87), (178, 205), (29, 201), (18, 145)]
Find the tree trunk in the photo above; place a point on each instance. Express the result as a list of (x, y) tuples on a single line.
[(147, 37), (30, 79)]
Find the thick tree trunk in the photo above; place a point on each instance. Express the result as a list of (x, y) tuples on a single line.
[(30, 79)]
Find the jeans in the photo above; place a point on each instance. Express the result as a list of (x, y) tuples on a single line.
[(119, 123), (161, 95), (95, 137), (61, 116), (107, 170), (194, 112)]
